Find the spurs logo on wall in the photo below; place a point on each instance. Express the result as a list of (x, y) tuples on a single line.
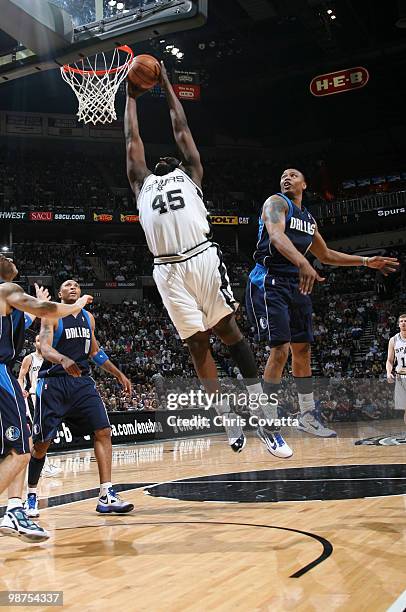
[(186, 85), (395, 439), (342, 80)]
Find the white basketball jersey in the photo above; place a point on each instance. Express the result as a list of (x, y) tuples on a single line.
[(36, 363), (399, 344), (173, 217)]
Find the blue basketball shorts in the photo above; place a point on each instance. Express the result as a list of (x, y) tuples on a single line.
[(75, 401), (14, 431), (276, 308)]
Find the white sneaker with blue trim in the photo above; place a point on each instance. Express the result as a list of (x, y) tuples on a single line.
[(274, 443), (112, 503)]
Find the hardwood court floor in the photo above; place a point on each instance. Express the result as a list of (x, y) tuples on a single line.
[(172, 555)]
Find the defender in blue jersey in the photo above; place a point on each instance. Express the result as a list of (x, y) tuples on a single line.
[(14, 432), (278, 293), (67, 392)]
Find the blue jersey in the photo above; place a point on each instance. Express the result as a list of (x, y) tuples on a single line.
[(72, 338), (300, 228), (12, 328)]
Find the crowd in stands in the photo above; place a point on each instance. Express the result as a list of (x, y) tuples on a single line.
[(143, 343), (85, 263), (352, 325), (119, 262), (46, 180)]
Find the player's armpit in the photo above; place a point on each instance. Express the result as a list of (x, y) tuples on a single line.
[(319, 248), (94, 348)]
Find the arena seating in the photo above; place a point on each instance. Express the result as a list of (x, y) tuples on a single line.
[(38, 181), (354, 318)]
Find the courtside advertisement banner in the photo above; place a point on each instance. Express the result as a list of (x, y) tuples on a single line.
[(103, 218), (135, 427), (41, 215), (129, 218), (99, 217), (337, 82), (223, 220)]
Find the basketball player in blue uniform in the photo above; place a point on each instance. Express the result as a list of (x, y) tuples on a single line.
[(14, 431), (66, 392), (278, 292), (188, 268)]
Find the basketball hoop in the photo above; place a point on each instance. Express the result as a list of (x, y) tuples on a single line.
[(96, 82)]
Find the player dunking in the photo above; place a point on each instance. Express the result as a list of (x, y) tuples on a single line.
[(29, 369), (66, 392), (14, 431), (278, 291), (188, 267), (397, 351)]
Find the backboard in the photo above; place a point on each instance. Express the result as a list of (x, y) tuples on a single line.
[(38, 35)]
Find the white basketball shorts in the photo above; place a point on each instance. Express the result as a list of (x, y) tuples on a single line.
[(196, 292), (400, 392)]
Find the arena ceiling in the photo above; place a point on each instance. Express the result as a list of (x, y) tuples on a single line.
[(256, 58)]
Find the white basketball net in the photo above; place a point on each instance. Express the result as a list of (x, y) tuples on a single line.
[(96, 81)]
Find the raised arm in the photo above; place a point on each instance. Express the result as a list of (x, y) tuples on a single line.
[(389, 361), (274, 217), (16, 298), (136, 165), (334, 258), (49, 353), (102, 360), (181, 131)]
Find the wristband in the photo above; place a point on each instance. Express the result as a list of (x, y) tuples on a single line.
[(100, 357), (365, 261)]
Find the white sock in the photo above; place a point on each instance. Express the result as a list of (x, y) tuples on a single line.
[(222, 407), (306, 402), (14, 502), (255, 389), (32, 490), (104, 488)]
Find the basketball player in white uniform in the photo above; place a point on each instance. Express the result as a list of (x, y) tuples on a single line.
[(30, 367), (188, 268), (397, 351)]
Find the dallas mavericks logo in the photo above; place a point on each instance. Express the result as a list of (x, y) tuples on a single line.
[(263, 323), (13, 433)]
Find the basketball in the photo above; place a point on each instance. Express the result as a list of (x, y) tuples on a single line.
[(145, 72)]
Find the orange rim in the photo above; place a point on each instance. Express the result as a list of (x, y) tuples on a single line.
[(68, 68)]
